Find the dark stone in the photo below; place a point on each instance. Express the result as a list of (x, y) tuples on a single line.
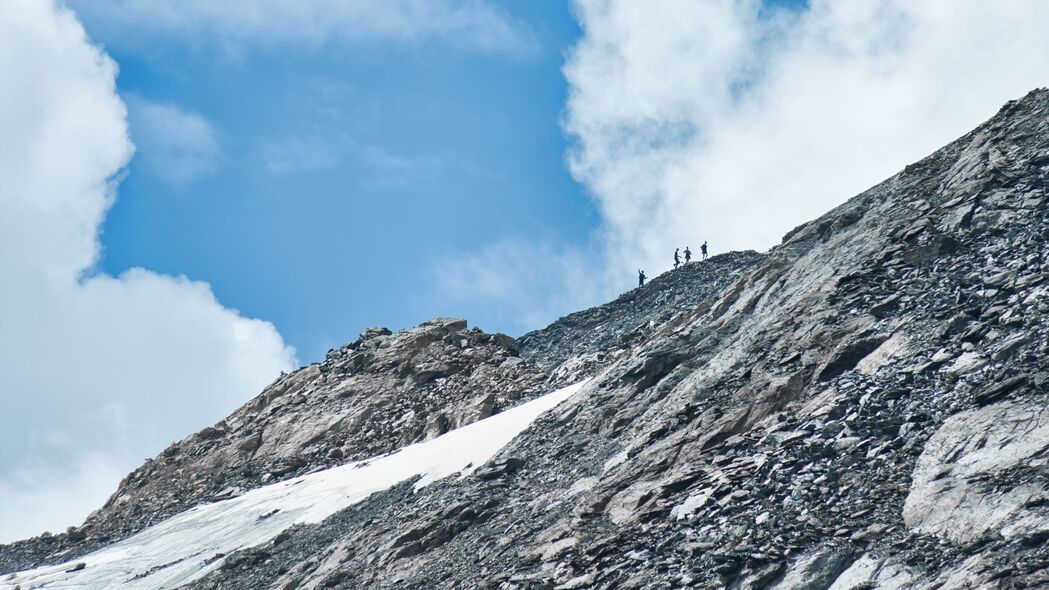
[(997, 391), (847, 355), (886, 307), (500, 468)]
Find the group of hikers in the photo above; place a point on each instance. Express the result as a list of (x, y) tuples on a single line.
[(677, 261)]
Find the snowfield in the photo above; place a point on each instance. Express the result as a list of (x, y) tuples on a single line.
[(186, 546)]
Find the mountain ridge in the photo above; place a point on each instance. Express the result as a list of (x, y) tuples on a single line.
[(860, 407)]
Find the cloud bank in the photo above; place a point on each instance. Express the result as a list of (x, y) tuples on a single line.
[(96, 372), (721, 120), (237, 25)]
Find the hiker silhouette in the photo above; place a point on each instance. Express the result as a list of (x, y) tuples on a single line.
[(688, 255), (640, 278), (677, 258), (703, 249)]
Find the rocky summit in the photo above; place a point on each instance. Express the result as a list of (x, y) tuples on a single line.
[(864, 406)]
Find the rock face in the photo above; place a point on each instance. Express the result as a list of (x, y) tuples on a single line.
[(957, 491), (862, 407)]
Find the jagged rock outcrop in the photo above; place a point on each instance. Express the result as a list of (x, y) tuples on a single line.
[(863, 407)]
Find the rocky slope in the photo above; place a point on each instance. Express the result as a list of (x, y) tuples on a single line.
[(863, 407), (380, 393), (377, 394), (581, 343)]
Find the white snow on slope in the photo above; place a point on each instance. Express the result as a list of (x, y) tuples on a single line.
[(179, 549)]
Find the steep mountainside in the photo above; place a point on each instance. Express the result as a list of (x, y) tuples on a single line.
[(863, 407), (375, 395)]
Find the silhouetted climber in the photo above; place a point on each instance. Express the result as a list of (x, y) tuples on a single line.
[(703, 249), (688, 255), (677, 258), (640, 278)]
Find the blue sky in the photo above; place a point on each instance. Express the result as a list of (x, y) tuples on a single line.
[(345, 176), (406, 155)]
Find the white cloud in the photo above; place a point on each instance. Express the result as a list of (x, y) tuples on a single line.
[(178, 146), (96, 372), (237, 25), (37, 499), (714, 120)]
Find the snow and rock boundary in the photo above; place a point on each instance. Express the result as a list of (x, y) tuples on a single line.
[(188, 546)]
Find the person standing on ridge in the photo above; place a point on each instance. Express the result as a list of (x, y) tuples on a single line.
[(703, 249), (640, 278), (677, 258), (688, 255)]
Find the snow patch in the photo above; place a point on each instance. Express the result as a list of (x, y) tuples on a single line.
[(187, 546)]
